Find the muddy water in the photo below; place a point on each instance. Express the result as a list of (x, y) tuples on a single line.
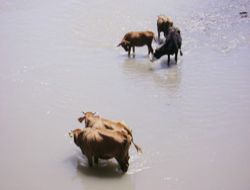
[(58, 58)]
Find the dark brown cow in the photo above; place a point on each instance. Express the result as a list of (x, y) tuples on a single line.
[(102, 143), (163, 24), (95, 121), (132, 39)]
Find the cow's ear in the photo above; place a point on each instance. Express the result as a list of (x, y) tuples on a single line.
[(80, 119)]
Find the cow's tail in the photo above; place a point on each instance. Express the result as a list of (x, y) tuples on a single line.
[(181, 52), (179, 47), (138, 149)]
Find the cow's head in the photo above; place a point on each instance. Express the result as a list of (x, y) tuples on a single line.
[(124, 44), (159, 52), (74, 133), (89, 117), (86, 116)]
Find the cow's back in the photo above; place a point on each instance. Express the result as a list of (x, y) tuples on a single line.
[(116, 125), (173, 40), (139, 38), (105, 144)]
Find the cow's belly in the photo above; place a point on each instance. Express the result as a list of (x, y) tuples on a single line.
[(138, 44), (106, 156)]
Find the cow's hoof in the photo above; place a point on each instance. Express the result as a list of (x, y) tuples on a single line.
[(124, 168)]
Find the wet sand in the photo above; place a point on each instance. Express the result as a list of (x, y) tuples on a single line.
[(192, 119)]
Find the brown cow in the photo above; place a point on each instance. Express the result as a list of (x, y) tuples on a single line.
[(163, 24), (132, 39), (102, 143), (95, 121), (91, 120)]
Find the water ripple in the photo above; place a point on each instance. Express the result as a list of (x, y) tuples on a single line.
[(221, 27)]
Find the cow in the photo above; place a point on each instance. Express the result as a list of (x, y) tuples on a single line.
[(91, 120), (132, 39), (95, 121), (163, 25), (171, 45), (104, 144)]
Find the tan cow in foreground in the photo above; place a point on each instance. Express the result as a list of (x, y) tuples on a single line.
[(132, 39), (163, 24), (95, 121), (102, 143)]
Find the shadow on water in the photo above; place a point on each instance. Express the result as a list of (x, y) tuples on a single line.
[(104, 169), (162, 74), (163, 62)]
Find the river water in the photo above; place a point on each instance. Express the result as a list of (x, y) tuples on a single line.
[(58, 58)]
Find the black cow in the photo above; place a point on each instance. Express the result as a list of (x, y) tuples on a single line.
[(171, 46)]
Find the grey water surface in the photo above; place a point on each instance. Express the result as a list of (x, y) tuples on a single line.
[(58, 58)]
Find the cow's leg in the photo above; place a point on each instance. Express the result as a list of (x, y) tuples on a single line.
[(123, 159), (96, 160), (168, 59), (150, 49), (134, 49), (159, 33), (123, 165), (129, 49), (90, 161), (166, 31), (175, 57)]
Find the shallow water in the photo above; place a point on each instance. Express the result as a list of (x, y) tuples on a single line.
[(192, 119)]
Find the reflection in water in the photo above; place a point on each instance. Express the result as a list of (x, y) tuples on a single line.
[(166, 77)]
